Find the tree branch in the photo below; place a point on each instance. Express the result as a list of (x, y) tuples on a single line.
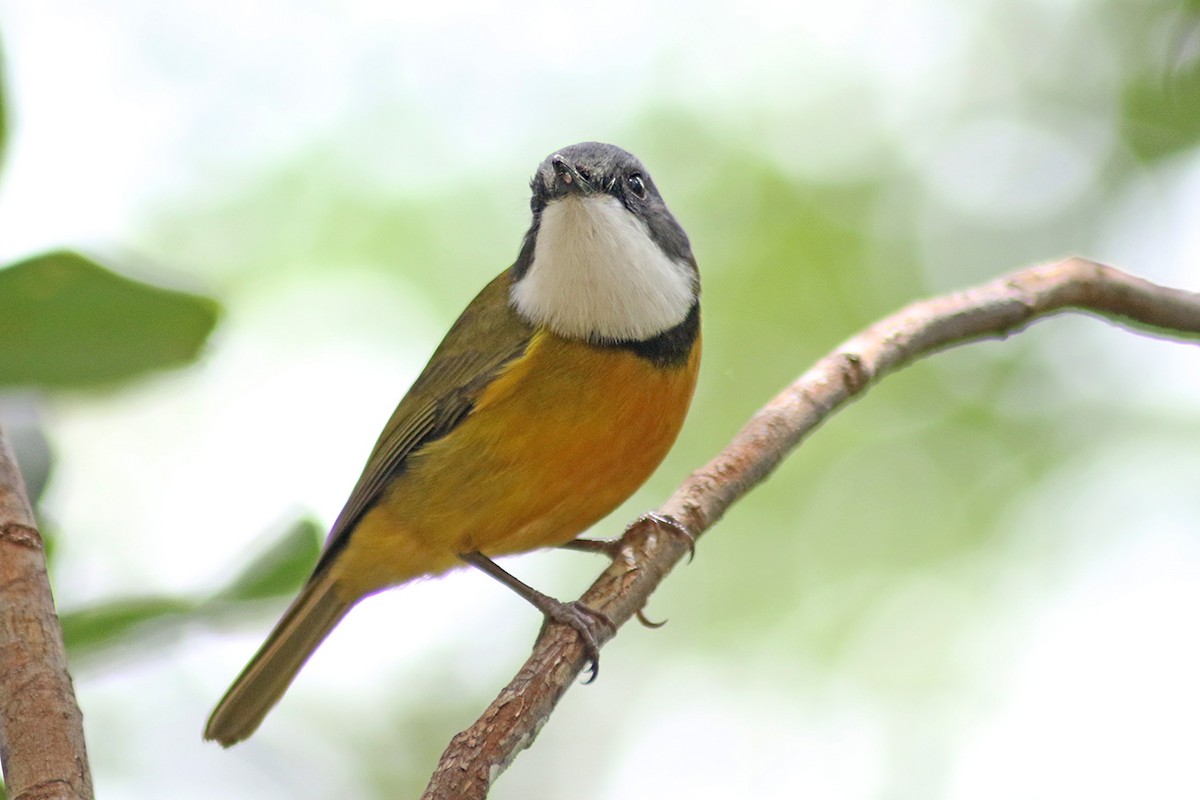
[(41, 728), (476, 756)]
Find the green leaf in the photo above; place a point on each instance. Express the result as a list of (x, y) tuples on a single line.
[(110, 622), (66, 321), (282, 569)]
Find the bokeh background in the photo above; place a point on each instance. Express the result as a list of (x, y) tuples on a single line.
[(980, 581)]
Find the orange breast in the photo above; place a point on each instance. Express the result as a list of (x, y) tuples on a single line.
[(558, 440)]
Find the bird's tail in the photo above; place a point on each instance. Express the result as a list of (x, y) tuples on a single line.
[(305, 625)]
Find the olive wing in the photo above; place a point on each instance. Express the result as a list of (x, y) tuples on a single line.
[(487, 336)]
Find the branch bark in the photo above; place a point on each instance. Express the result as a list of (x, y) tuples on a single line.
[(477, 755), (41, 727)]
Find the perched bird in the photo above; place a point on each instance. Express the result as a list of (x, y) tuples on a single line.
[(553, 397)]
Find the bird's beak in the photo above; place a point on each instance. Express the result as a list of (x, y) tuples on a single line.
[(569, 178)]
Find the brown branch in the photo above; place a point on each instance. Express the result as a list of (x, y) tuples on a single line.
[(41, 728), (479, 754)]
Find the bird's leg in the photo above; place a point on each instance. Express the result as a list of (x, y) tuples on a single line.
[(607, 547), (575, 615)]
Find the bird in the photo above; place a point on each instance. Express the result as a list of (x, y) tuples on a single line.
[(553, 397)]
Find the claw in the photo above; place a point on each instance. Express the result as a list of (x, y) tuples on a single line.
[(642, 618), (669, 523)]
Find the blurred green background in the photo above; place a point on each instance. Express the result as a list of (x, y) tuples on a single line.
[(236, 231)]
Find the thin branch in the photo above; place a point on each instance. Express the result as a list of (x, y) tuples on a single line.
[(479, 754), (41, 728)]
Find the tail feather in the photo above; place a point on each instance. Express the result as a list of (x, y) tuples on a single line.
[(305, 625)]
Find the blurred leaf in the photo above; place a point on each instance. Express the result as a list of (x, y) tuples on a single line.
[(67, 321), (1161, 112), (3, 115), (26, 432), (108, 623), (281, 569)]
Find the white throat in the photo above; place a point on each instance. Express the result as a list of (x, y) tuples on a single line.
[(597, 273)]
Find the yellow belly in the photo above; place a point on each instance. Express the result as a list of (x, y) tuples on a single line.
[(557, 441)]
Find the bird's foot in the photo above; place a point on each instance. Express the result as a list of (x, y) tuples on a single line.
[(590, 624), (668, 523), (612, 547)]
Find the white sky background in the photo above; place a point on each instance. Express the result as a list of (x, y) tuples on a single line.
[(122, 106)]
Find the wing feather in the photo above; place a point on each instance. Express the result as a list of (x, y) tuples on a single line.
[(487, 336)]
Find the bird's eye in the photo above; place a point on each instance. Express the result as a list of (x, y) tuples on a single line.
[(636, 185)]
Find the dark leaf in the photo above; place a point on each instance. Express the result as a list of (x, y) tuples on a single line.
[(66, 321)]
